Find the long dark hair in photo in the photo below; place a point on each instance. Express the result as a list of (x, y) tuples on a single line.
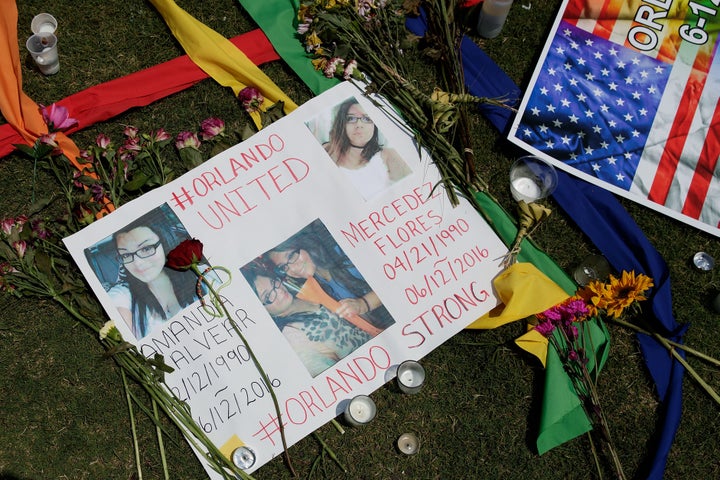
[(339, 142), (319, 244), (143, 300)]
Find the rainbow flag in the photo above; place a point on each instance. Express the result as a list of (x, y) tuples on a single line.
[(627, 96)]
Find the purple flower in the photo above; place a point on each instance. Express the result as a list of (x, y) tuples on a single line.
[(211, 128), (573, 355), (97, 192), (187, 140), (57, 118), (545, 328), (251, 99)]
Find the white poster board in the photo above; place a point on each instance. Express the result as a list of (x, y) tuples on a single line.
[(430, 265)]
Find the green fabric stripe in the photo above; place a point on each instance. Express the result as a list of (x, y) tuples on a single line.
[(275, 18)]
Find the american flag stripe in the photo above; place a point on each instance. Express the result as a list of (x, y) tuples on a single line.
[(703, 174)]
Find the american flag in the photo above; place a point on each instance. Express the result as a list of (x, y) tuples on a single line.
[(645, 122)]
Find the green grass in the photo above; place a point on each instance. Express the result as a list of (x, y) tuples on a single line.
[(62, 410)]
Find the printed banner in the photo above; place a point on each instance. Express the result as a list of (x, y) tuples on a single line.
[(626, 95), (342, 260)]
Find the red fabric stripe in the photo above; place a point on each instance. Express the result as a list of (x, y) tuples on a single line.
[(700, 183), (606, 19), (104, 101), (573, 10), (677, 137)]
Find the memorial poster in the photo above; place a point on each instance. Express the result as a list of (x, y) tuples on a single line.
[(405, 268)]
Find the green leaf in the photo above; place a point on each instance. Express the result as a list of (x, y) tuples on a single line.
[(29, 151)]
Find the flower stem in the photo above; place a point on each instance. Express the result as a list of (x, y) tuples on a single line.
[(687, 349), (161, 446), (219, 303), (136, 447)]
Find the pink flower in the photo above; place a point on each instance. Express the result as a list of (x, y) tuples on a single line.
[(187, 140), (160, 135), (332, 66), (49, 140), (57, 118), (132, 145), (103, 141), (20, 247), (211, 128), (6, 267), (130, 131), (349, 70), (251, 99), (7, 224), (39, 229)]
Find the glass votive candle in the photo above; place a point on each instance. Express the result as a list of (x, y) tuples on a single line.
[(410, 376), (532, 179), (43, 23), (408, 444), (591, 268), (360, 410), (703, 261), (243, 457)]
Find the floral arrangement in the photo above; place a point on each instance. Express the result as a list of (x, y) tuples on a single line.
[(616, 301)]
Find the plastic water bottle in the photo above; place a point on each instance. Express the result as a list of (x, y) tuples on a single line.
[(492, 17)]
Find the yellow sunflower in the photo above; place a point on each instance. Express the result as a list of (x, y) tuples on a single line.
[(625, 291), (594, 294)]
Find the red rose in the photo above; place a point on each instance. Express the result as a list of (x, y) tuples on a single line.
[(185, 255)]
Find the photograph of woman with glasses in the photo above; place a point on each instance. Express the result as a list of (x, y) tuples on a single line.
[(355, 147), (313, 253), (318, 336), (131, 265)]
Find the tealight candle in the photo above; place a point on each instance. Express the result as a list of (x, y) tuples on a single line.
[(703, 261), (360, 410), (410, 376), (243, 457), (408, 443), (532, 179)]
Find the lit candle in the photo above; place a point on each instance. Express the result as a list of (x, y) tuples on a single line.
[(243, 457), (532, 179), (408, 444), (410, 376), (360, 410)]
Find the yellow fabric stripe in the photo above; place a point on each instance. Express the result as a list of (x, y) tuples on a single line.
[(219, 58)]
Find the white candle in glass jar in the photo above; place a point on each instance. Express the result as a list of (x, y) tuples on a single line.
[(360, 410)]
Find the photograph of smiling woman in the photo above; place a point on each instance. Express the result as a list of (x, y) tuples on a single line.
[(146, 293), (354, 144)]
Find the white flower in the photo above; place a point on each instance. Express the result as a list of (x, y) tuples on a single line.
[(106, 329)]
